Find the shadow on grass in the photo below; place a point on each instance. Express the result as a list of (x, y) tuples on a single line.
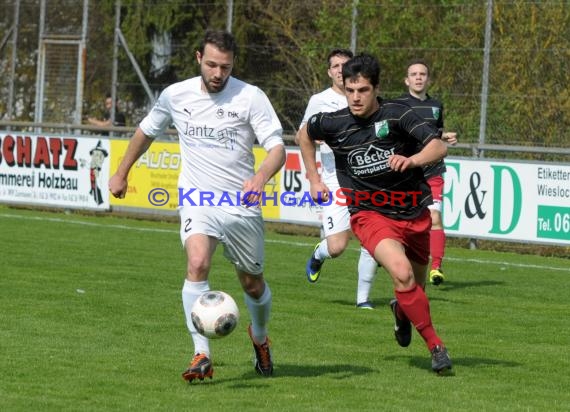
[(337, 371), (425, 362), (348, 370), (378, 304), (449, 286)]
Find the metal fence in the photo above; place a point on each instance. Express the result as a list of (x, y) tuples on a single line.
[(43, 47)]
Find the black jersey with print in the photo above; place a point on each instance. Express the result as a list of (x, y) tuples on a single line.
[(361, 150), (431, 110)]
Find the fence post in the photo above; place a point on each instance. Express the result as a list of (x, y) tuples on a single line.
[(353, 32), (485, 79), (14, 58)]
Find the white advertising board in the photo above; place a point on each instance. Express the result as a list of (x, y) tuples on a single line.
[(487, 199), (527, 202), (70, 172)]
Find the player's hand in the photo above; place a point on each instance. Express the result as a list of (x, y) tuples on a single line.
[(252, 189), (118, 186), (320, 193), (449, 137), (400, 163)]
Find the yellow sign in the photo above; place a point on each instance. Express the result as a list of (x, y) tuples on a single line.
[(270, 209), (153, 179)]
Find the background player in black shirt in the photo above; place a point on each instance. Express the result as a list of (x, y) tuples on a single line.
[(379, 149), (417, 79)]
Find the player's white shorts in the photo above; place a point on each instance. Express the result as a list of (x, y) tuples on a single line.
[(335, 217), (242, 237)]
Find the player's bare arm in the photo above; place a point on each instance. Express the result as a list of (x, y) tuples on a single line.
[(309, 153), (297, 139), (101, 123), (433, 152), (271, 164), (138, 144)]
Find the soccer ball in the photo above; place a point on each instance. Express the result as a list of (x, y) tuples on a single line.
[(215, 314)]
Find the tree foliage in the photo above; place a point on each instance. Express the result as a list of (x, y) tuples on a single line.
[(283, 50)]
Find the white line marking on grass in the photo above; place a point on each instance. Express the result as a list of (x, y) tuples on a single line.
[(284, 242), (79, 222), (488, 262)]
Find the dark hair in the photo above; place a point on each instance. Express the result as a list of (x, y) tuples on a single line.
[(222, 39), (417, 60), (110, 96), (364, 65), (339, 52)]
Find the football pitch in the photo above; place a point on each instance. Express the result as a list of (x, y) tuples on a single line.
[(91, 319)]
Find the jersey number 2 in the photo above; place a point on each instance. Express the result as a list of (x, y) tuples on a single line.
[(187, 227)]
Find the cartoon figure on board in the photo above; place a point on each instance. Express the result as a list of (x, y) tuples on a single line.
[(98, 155)]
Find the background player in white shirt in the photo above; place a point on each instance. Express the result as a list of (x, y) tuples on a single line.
[(336, 219), (218, 119)]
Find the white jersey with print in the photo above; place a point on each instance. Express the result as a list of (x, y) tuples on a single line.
[(326, 101), (217, 132)]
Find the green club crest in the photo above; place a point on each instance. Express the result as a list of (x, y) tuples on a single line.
[(436, 112), (381, 129)]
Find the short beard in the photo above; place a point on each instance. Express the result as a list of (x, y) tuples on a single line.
[(212, 90)]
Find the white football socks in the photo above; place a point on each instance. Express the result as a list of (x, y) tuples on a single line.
[(259, 310), (322, 252), (190, 293), (366, 273)]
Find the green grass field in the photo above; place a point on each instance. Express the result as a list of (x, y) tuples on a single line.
[(91, 319)]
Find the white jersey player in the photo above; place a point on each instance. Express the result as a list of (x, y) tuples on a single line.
[(218, 119), (335, 218), (216, 139)]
